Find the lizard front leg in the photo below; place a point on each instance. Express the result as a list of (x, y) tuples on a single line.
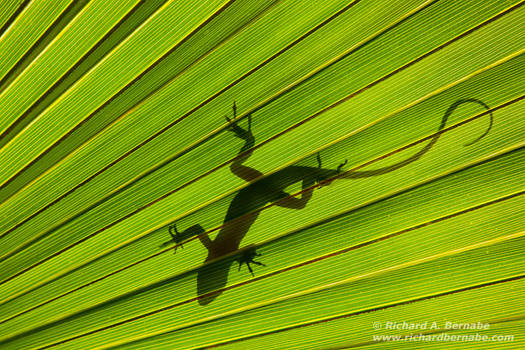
[(247, 257)]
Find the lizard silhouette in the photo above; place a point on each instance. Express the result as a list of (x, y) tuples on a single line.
[(244, 207)]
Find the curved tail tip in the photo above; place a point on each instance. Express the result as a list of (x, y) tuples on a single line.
[(479, 102), (484, 134)]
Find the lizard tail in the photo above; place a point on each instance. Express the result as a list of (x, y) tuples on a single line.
[(450, 110)]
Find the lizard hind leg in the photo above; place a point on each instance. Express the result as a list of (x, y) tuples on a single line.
[(234, 127), (340, 166), (249, 116)]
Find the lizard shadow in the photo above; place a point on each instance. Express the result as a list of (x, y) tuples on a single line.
[(244, 209)]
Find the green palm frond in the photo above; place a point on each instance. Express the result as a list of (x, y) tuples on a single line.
[(400, 121)]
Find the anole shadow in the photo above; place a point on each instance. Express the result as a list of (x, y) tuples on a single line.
[(262, 190)]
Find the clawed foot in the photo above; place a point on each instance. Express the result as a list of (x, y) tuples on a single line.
[(320, 163), (234, 127), (175, 237), (340, 167), (247, 258)]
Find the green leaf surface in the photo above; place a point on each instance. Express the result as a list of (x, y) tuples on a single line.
[(369, 170), (168, 171), (492, 305)]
